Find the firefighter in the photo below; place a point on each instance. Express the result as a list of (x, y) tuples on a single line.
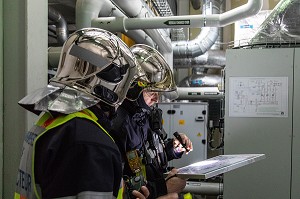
[(69, 152), (145, 150)]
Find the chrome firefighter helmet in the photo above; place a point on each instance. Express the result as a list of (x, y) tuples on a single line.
[(154, 73), (95, 65), (153, 69), (97, 62)]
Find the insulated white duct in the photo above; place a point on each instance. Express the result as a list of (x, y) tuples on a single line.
[(87, 10), (181, 49), (204, 41), (160, 37), (196, 53), (212, 59)]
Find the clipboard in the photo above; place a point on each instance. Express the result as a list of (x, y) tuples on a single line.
[(217, 165)]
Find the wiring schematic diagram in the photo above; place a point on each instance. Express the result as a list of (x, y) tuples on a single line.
[(258, 97)]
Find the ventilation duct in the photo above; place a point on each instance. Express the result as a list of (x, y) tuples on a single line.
[(200, 78), (141, 10), (160, 37), (204, 41), (210, 59), (197, 55), (281, 26), (203, 84), (124, 24), (87, 10)]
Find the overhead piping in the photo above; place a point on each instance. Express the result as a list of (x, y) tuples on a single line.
[(196, 93), (204, 188), (127, 6), (197, 53), (203, 42), (87, 10), (141, 10), (195, 4), (60, 25), (251, 8), (212, 59)]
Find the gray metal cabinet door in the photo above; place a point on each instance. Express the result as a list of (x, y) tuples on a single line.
[(191, 119), (296, 130), (272, 136)]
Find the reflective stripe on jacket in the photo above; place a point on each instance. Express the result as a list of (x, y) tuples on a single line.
[(26, 187)]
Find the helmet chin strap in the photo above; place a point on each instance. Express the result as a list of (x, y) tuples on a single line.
[(110, 110)]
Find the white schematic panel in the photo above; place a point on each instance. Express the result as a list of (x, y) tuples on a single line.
[(258, 96)]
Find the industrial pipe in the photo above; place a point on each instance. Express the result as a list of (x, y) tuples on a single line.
[(140, 10), (210, 59), (204, 188), (53, 56), (199, 93), (86, 10), (204, 41), (251, 8), (195, 4), (60, 25)]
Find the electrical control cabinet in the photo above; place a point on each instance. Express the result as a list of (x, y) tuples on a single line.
[(262, 114), (189, 118)]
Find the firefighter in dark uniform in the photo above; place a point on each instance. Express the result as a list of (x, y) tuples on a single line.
[(69, 152), (144, 147)]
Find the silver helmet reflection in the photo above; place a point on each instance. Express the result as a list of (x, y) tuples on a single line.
[(154, 73), (95, 66), (98, 63), (153, 69)]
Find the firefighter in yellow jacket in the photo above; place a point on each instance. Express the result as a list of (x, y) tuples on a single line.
[(69, 153)]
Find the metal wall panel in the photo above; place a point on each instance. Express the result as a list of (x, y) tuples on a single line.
[(191, 119), (25, 66), (296, 130), (271, 177)]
